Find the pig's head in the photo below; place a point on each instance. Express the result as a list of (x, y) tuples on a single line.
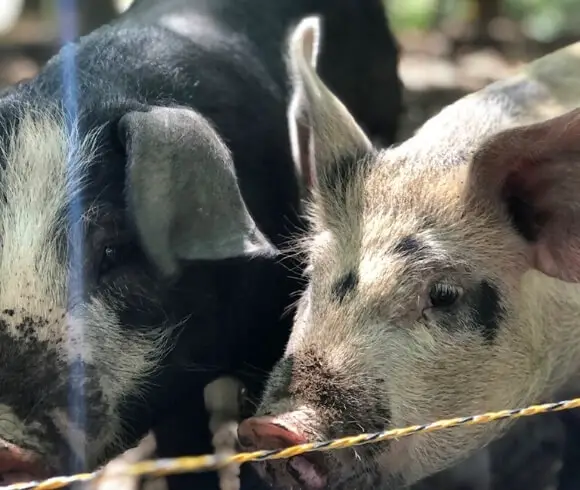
[(95, 228), (437, 288)]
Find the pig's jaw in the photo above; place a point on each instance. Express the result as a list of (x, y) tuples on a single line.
[(550, 307), (370, 479), (344, 472)]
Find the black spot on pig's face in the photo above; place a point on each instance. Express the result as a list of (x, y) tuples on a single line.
[(407, 246), (488, 310), (475, 306), (345, 285), (344, 172)]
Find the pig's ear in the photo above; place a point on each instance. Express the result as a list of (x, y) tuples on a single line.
[(534, 172), (322, 131), (182, 191)]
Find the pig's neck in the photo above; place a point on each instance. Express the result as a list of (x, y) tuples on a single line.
[(551, 327)]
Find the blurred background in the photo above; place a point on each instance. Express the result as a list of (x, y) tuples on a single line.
[(449, 47), (452, 47)]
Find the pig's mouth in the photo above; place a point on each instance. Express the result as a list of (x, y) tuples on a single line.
[(20, 465), (308, 470)]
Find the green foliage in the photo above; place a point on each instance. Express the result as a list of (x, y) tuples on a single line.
[(411, 13), (545, 19), (542, 20)]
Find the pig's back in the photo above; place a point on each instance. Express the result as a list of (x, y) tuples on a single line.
[(546, 88)]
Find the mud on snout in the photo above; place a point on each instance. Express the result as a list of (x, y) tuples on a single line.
[(309, 399), (60, 394)]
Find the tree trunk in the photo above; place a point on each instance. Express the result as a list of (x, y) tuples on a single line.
[(487, 11)]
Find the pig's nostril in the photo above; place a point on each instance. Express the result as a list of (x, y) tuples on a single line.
[(268, 433), (274, 433), (245, 441)]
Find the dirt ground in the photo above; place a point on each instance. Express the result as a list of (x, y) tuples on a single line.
[(435, 73)]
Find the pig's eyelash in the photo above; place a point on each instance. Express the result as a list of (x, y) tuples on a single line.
[(442, 294)]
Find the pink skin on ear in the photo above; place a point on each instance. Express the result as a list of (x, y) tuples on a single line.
[(557, 254), (538, 165)]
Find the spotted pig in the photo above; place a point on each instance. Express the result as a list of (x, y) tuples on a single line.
[(443, 275)]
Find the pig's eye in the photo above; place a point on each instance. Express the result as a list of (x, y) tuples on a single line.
[(114, 256), (443, 295)]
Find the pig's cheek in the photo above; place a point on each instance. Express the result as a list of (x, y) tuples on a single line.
[(395, 459), (297, 336)]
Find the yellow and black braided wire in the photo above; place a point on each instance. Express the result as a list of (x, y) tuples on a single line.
[(162, 467)]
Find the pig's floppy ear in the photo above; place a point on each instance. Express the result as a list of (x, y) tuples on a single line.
[(534, 173), (321, 128), (182, 191)]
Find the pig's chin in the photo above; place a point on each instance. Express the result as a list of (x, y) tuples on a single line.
[(368, 467), (407, 461), (308, 472), (362, 474), (322, 471), (370, 481)]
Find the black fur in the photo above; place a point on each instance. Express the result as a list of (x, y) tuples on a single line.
[(487, 310), (480, 307), (232, 71), (340, 175), (408, 245), (34, 366), (344, 285)]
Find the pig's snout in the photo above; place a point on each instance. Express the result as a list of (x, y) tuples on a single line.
[(259, 433), (268, 433), (20, 465)]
